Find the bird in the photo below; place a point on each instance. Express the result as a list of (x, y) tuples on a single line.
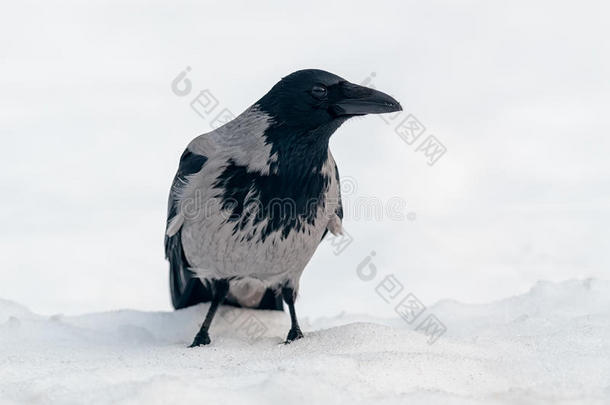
[(252, 200)]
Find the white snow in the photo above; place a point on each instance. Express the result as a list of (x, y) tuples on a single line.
[(550, 345)]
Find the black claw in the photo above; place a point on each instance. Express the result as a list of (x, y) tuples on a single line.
[(294, 334), (200, 340)]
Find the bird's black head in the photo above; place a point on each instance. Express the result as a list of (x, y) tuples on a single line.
[(311, 99)]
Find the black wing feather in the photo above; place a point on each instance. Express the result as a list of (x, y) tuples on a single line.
[(186, 290)]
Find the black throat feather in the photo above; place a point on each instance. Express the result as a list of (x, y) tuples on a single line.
[(288, 197)]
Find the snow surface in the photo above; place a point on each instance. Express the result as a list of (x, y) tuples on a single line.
[(550, 345)]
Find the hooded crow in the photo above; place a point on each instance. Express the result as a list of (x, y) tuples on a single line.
[(252, 200)]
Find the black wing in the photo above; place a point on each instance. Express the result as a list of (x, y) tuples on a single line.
[(186, 290)]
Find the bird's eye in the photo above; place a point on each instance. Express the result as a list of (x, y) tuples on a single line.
[(318, 91)]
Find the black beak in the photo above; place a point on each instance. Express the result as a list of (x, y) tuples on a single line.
[(360, 100)]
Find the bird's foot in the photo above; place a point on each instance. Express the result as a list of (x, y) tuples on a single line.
[(201, 339), (294, 334)]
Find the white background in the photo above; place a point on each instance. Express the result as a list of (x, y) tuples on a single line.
[(91, 132)]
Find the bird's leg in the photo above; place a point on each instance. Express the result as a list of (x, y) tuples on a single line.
[(221, 288), (295, 331)]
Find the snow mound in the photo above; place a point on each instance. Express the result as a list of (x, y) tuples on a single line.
[(550, 345)]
